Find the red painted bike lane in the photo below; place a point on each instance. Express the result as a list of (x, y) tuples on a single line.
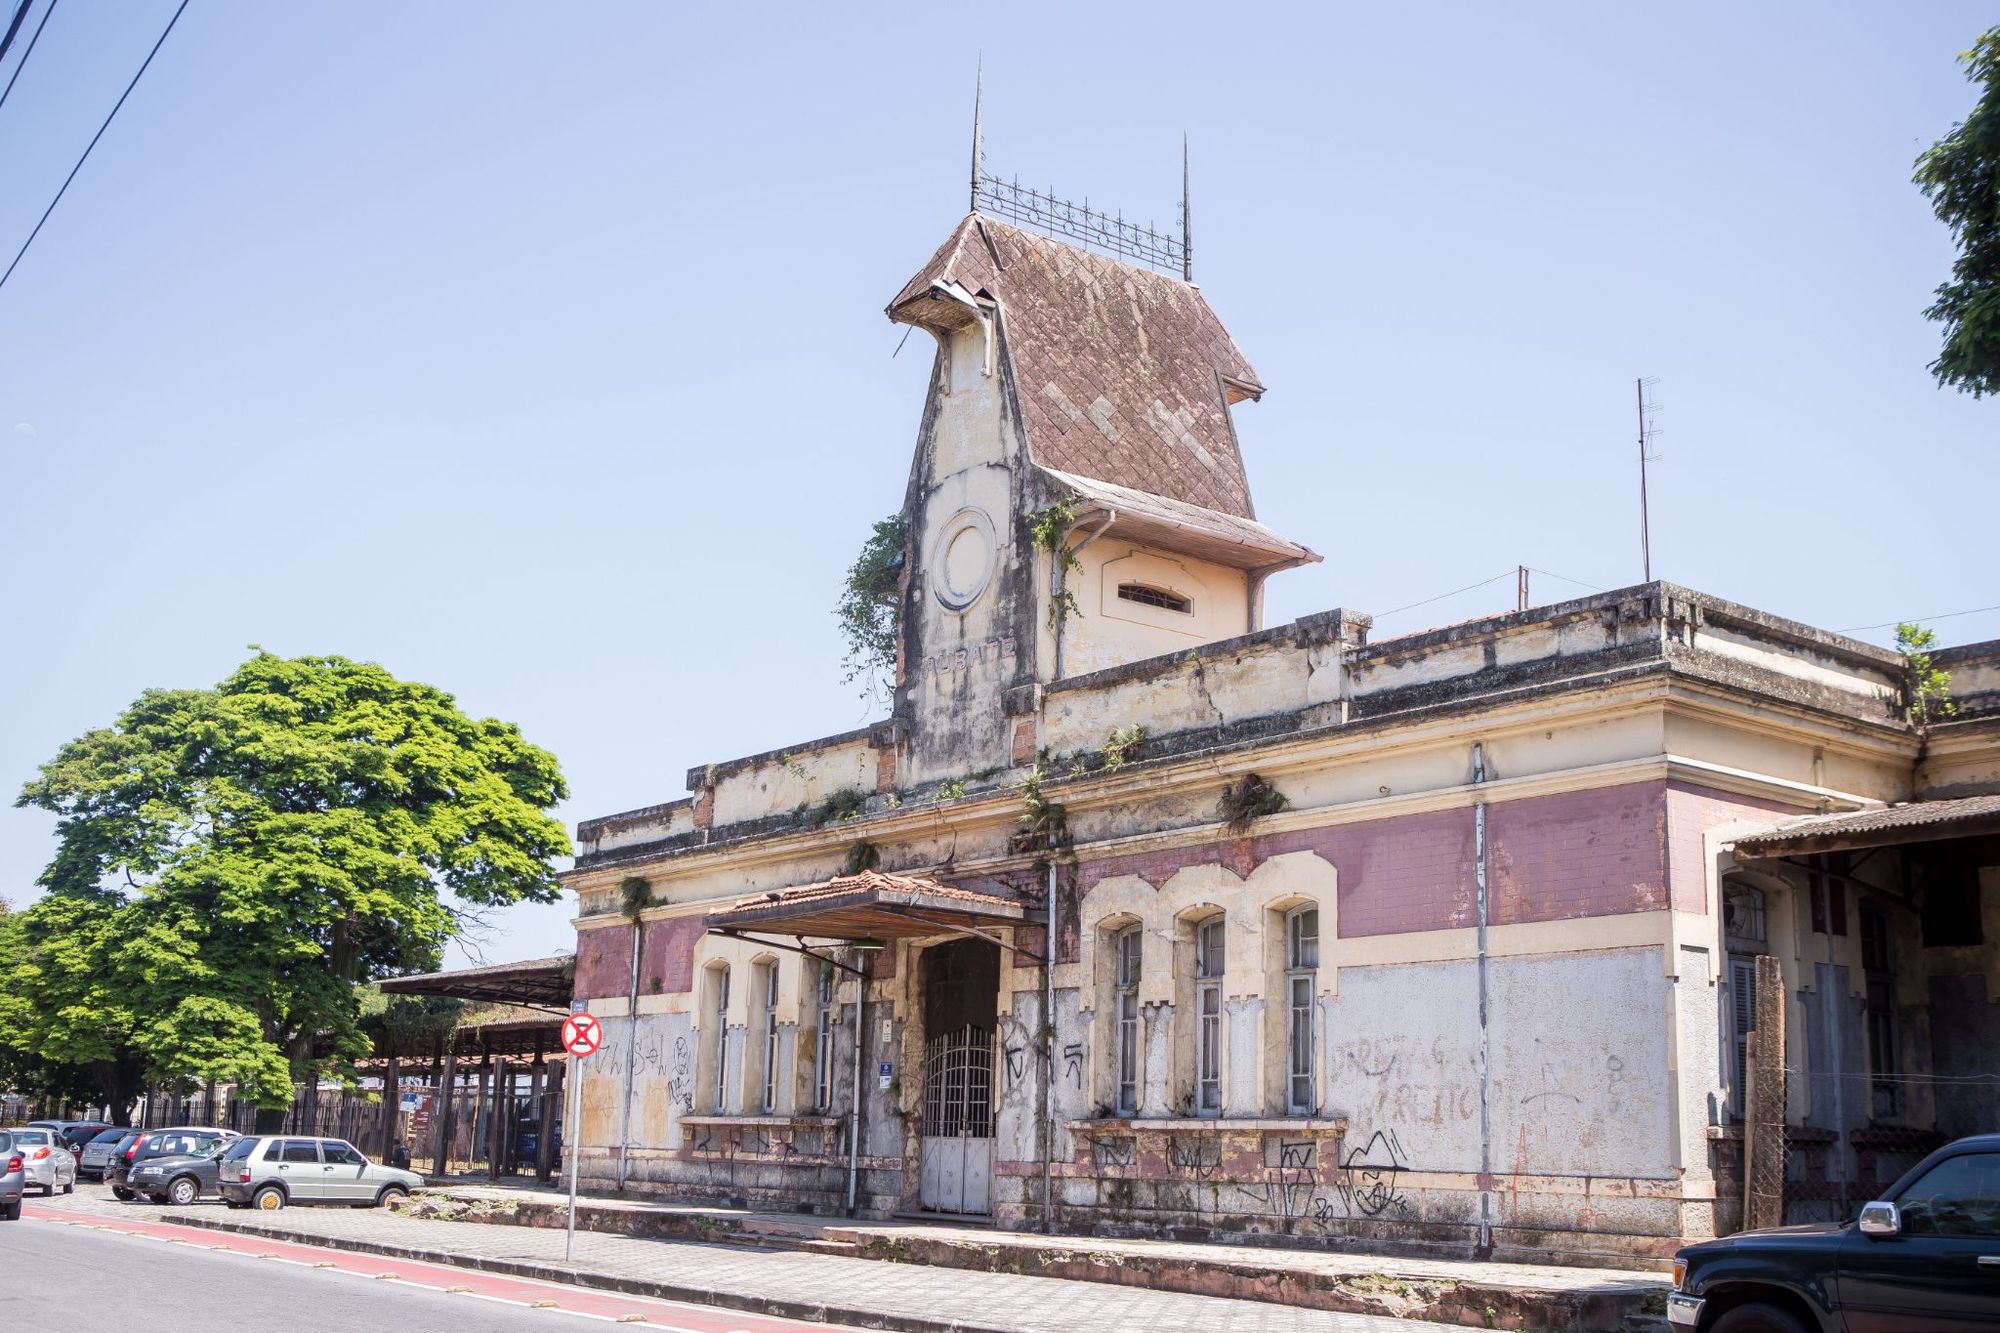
[(677, 1316)]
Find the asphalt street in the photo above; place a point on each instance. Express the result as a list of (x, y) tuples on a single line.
[(74, 1278)]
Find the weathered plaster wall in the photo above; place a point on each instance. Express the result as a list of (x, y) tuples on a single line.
[(1108, 631)]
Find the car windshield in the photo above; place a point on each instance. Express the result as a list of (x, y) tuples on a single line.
[(6, 1141), (109, 1136), (32, 1136), (239, 1150)]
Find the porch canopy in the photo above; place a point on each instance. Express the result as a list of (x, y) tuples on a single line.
[(1888, 826), (542, 983), (872, 907)]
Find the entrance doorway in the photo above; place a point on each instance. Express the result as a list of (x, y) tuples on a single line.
[(961, 982)]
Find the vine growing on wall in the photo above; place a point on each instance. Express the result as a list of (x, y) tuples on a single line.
[(863, 855), (870, 605), (1049, 530), (1926, 687)]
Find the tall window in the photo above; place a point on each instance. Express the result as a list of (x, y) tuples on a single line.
[(1743, 936), (1125, 1020), (1301, 980), (1208, 1017), (721, 1039), (823, 1042), (769, 1102)]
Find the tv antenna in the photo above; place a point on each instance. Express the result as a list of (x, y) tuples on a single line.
[(1648, 432)]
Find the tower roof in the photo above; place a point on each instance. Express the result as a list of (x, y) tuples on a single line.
[(1124, 375)]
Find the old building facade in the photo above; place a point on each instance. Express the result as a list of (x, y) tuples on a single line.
[(1140, 916)]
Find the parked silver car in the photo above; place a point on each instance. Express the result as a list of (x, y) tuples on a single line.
[(270, 1173), (95, 1161), (44, 1158), (13, 1178)]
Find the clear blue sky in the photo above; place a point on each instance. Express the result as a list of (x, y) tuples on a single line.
[(537, 351)]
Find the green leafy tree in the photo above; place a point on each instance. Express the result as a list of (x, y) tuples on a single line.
[(232, 862), (1960, 175)]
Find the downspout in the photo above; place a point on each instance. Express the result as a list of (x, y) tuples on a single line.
[(1049, 1054), (1058, 577), (854, 1109), (1479, 854)]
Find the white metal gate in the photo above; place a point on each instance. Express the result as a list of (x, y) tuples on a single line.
[(958, 1122)]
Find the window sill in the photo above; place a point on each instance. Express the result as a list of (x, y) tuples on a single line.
[(766, 1121), (1194, 1124)]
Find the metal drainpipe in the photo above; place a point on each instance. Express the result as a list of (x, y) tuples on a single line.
[(854, 1111), (631, 1057), (1058, 578), (1049, 1054), (1485, 1071)]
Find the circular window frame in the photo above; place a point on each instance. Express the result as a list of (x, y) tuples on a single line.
[(965, 520)]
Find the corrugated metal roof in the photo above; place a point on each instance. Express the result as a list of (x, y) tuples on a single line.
[(1917, 821)]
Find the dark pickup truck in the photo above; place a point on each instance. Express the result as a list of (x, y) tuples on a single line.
[(1924, 1258)]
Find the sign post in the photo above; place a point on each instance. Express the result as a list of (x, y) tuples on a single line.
[(582, 1034)]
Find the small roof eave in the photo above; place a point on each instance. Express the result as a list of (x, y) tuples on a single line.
[(1885, 826), (532, 981), (871, 906), (1174, 525)]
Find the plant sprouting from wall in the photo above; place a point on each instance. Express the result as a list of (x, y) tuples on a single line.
[(1927, 689), (1124, 745), (1247, 799), (841, 806), (635, 895), (870, 602), (861, 856), (1044, 823), (1049, 530), (951, 791)]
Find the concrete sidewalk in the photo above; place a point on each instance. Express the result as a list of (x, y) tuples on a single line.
[(818, 1287), (1464, 1293)]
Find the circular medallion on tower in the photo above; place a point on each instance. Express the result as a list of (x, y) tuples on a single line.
[(964, 558)]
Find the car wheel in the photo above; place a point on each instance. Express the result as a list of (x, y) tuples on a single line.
[(69, 1187), (11, 1212), (183, 1191), (268, 1200), (1757, 1319), (121, 1192), (389, 1194)]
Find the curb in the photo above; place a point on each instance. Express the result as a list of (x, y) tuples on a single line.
[(598, 1281)]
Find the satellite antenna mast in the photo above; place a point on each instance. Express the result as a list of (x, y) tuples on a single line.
[(1647, 431), (1187, 218)]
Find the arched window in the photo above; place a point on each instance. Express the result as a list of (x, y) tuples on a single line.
[(1208, 1037), (1125, 1021), (1301, 980), (1147, 595)]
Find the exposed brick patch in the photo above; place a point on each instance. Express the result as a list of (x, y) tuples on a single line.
[(704, 808), (1024, 742), (885, 768)]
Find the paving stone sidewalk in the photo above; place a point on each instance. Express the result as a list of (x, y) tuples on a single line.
[(812, 1286)]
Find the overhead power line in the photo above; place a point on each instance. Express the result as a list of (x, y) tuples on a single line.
[(1891, 624), (20, 14), (23, 63), (93, 140), (1504, 574)]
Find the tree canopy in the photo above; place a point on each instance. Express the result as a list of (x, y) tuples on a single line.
[(1960, 175), (231, 862)]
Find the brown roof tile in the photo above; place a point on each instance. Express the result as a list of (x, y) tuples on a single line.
[(1117, 368)]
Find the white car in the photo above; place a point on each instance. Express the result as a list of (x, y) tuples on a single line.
[(46, 1162)]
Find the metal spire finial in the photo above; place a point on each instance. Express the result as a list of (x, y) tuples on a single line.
[(1187, 218), (978, 143)]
